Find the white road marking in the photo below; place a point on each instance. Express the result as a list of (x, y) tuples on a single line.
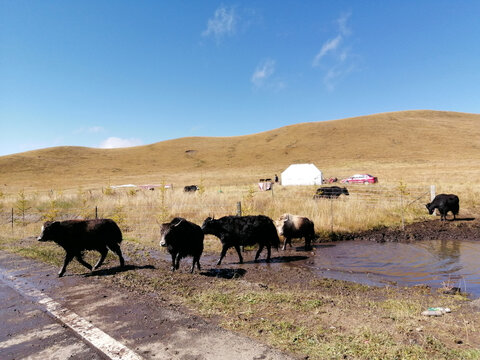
[(94, 336)]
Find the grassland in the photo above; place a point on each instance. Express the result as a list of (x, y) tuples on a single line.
[(413, 146), (408, 151)]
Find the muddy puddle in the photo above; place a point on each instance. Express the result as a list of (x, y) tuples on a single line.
[(442, 263), (404, 258), (437, 263)]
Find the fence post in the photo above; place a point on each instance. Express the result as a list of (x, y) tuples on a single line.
[(432, 192), (331, 214), (401, 207), (12, 221), (239, 213), (96, 212)]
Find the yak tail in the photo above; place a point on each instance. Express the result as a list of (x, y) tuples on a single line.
[(118, 236)]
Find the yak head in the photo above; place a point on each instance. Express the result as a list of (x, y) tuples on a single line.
[(210, 226), (430, 208), (166, 228), (280, 223), (49, 231)]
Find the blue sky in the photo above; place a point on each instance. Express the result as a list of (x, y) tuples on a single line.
[(122, 73)]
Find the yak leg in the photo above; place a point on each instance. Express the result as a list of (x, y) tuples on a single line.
[(83, 262), (237, 247), (308, 242), (103, 255), (177, 261), (260, 248), (269, 252), (222, 254), (66, 261), (116, 249), (173, 261), (196, 260), (288, 241)]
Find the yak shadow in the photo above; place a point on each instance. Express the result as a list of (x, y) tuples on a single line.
[(464, 219), (278, 259), (224, 273), (117, 269)]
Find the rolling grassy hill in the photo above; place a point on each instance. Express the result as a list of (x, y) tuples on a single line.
[(419, 146)]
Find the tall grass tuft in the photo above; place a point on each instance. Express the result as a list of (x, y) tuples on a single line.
[(22, 205), (51, 212)]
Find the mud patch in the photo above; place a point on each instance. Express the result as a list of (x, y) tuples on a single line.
[(467, 228), (225, 273), (118, 269)]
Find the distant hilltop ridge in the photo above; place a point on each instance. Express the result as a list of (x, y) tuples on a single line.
[(404, 136)]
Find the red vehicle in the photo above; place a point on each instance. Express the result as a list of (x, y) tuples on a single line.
[(360, 179)]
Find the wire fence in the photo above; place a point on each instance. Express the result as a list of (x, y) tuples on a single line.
[(140, 217)]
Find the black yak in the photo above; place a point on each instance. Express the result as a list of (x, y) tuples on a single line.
[(444, 203), (330, 192), (182, 238), (191, 188), (236, 231), (76, 236)]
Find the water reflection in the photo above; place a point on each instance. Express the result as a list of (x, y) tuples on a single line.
[(432, 262)]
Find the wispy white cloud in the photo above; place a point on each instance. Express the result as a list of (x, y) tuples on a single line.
[(263, 71), (342, 24), (334, 57), (263, 77), (223, 22), (115, 142), (328, 46)]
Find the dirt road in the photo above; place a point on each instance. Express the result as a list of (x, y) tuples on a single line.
[(145, 325), (157, 314)]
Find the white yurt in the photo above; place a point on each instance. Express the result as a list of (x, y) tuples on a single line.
[(301, 174)]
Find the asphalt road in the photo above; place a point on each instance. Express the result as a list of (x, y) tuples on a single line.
[(27, 332), (46, 317)]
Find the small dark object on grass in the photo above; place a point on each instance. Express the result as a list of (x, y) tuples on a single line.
[(452, 291)]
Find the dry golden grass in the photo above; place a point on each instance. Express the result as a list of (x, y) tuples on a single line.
[(140, 213), (408, 151), (414, 146)]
